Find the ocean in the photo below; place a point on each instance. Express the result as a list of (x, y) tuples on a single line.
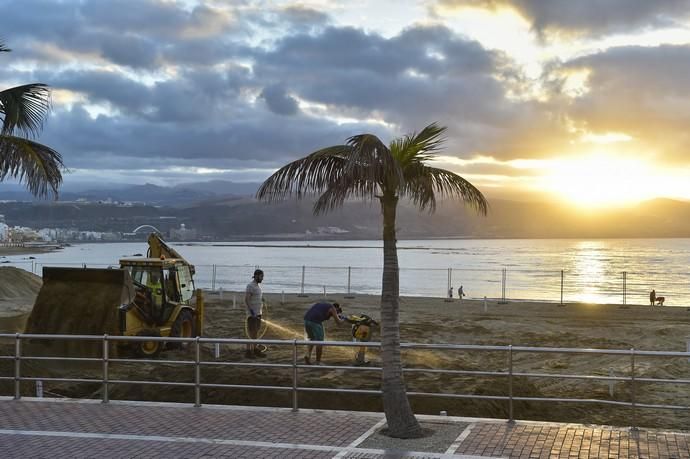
[(613, 271)]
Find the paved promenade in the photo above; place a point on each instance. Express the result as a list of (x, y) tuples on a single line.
[(88, 429)]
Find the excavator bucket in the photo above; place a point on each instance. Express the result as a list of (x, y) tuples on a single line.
[(78, 301)]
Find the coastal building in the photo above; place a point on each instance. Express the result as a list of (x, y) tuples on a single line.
[(22, 234)]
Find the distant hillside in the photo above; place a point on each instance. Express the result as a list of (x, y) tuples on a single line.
[(244, 218), (178, 195)]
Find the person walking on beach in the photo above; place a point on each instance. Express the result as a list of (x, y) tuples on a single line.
[(313, 325), (253, 300), (652, 297), (461, 293)]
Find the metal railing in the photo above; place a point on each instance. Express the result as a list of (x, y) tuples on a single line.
[(198, 343), (502, 284)]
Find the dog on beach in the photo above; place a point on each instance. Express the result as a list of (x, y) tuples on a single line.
[(660, 300)]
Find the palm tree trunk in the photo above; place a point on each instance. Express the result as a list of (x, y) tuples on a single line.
[(399, 416)]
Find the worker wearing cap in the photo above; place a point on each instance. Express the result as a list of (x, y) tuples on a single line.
[(313, 325), (253, 300)]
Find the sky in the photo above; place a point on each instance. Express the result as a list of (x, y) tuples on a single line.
[(583, 101)]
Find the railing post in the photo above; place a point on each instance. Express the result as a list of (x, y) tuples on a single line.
[(197, 374), (17, 368), (561, 287), (503, 286), (105, 369), (510, 384), (301, 292), (295, 407), (632, 388), (450, 282), (213, 278), (625, 287), (349, 283)]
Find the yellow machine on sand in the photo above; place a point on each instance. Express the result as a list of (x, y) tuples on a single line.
[(152, 296)]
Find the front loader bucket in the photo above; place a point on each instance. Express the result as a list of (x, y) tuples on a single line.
[(79, 301)]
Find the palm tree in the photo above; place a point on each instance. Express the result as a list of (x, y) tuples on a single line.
[(22, 112), (366, 168)]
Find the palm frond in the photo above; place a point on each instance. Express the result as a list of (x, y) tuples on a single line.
[(346, 187), (310, 174), (24, 108), (4, 48), (419, 147), (372, 160), (32, 163), (424, 183)]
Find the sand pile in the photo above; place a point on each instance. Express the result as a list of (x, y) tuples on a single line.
[(17, 283), (75, 301), (18, 290)]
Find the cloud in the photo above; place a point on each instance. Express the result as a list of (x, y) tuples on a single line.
[(587, 16), (278, 101), (236, 87), (640, 91)]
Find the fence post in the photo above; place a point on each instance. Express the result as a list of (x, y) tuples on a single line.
[(301, 294), (450, 282), (213, 278), (625, 287), (17, 369), (510, 384), (294, 375), (632, 388), (105, 369), (503, 286), (561, 287), (197, 374), (349, 280)]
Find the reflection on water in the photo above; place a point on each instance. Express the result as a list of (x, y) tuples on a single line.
[(588, 270), (592, 269)]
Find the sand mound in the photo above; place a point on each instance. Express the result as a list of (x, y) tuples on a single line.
[(17, 283), (75, 301), (18, 290)]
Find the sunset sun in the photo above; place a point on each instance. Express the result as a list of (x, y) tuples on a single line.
[(600, 180)]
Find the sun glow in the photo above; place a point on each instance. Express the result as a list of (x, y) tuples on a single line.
[(600, 180)]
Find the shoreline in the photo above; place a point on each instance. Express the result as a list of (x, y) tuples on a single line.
[(27, 250)]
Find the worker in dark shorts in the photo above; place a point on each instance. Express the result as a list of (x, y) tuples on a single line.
[(314, 318)]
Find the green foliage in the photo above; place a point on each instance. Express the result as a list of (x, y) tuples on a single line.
[(23, 110), (365, 168)]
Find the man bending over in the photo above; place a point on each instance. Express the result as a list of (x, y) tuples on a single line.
[(313, 325)]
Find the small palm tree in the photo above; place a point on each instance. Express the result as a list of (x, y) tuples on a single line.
[(365, 168), (22, 112)]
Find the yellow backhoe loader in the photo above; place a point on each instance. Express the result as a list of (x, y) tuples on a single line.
[(152, 296)]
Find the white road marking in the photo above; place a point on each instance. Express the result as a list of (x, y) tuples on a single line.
[(458, 441), (222, 441), (361, 438)]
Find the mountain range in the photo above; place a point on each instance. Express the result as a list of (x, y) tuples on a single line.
[(224, 210)]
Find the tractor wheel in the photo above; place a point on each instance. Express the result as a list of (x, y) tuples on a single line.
[(183, 327), (148, 349)]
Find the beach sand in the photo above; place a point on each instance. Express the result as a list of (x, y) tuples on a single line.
[(433, 320)]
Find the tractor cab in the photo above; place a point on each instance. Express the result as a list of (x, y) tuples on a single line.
[(161, 284)]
